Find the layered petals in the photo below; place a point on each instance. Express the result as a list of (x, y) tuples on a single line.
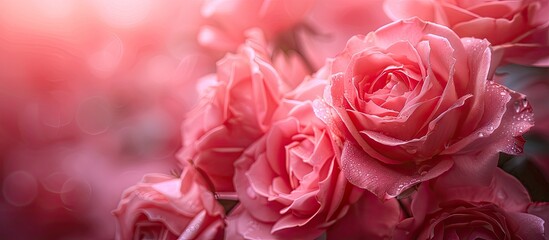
[(164, 207), (501, 210), (289, 183), (517, 29), (236, 109), (413, 100)]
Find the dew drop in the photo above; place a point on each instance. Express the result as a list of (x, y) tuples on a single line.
[(480, 134), (423, 170), (524, 103), (410, 150), (320, 111), (514, 147), (501, 195), (517, 148), (521, 105), (251, 193)]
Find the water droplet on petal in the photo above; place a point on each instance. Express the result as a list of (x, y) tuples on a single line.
[(251, 193), (411, 150), (517, 148), (423, 170), (501, 195), (522, 105)]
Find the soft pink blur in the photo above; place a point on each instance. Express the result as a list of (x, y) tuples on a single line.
[(330, 24), (226, 21), (92, 94)]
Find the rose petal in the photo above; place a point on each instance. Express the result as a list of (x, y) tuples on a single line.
[(542, 211), (384, 181), (529, 226), (359, 223), (502, 189)]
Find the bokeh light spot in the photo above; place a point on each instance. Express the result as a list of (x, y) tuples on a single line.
[(20, 188)]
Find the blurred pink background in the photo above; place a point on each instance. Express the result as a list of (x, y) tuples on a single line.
[(92, 94)]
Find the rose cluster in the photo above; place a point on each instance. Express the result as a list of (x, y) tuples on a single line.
[(404, 132), (313, 119)]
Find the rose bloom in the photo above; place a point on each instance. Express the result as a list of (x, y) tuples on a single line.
[(228, 21), (412, 100), (289, 183), (519, 26), (164, 207), (502, 210), (235, 110)]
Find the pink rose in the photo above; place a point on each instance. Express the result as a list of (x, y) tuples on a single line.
[(520, 26), (413, 101), (236, 109), (163, 207), (501, 210), (288, 182), (227, 21)]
